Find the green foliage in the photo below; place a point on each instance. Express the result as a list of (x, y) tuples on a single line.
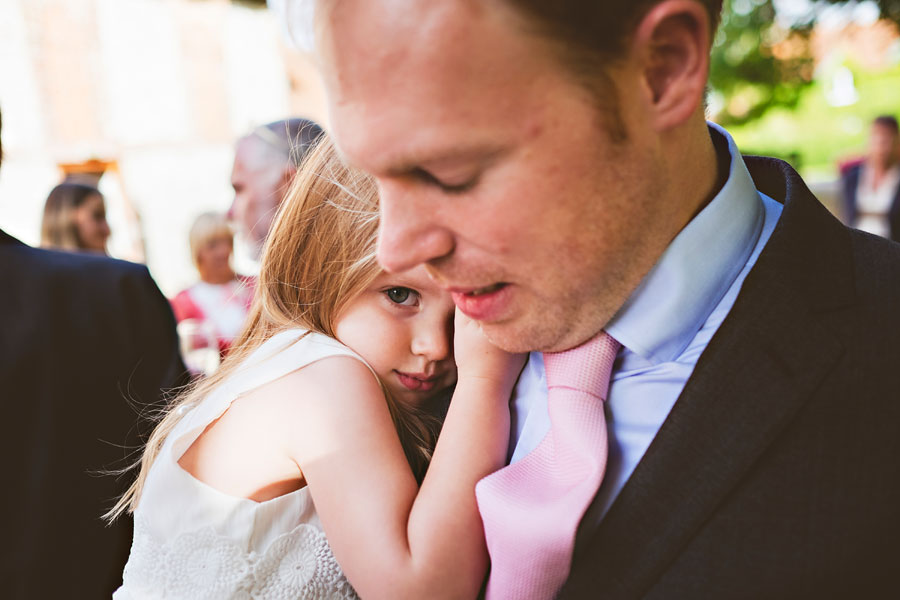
[(816, 136), (762, 88), (757, 64)]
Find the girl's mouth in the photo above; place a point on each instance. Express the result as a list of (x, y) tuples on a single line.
[(417, 382)]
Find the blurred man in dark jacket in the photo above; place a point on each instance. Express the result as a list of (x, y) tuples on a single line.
[(87, 344)]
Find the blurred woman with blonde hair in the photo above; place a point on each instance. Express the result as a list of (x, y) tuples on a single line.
[(75, 219), (221, 299)]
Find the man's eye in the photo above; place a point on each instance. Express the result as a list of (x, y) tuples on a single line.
[(456, 188), (401, 295)]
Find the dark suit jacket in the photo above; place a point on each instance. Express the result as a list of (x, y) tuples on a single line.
[(849, 184), (777, 472), (86, 343)]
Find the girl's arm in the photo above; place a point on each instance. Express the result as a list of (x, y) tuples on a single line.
[(391, 539)]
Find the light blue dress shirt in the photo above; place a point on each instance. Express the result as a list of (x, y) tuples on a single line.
[(663, 327)]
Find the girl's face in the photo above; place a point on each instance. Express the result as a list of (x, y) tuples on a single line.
[(91, 225), (402, 325)]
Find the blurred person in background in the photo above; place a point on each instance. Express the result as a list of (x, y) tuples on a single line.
[(86, 344), (265, 160), (75, 219), (221, 299), (871, 186)]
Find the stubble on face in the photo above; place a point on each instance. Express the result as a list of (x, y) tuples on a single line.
[(584, 269)]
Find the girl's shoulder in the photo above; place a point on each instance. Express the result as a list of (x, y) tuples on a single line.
[(281, 398), (328, 367), (313, 407), (302, 360), (292, 355)]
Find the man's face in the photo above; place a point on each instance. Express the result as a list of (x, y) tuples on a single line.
[(493, 166), (259, 182)]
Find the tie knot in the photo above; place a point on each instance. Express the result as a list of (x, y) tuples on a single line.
[(585, 368)]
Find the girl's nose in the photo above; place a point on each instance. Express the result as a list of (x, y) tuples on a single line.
[(434, 339)]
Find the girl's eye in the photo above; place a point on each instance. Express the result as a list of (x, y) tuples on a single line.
[(401, 295)]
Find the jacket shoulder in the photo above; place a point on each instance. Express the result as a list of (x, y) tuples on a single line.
[(73, 268)]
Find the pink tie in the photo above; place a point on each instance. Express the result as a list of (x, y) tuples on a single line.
[(532, 508)]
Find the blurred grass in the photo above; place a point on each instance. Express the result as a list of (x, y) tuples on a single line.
[(815, 136)]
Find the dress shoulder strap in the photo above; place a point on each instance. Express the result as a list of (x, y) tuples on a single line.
[(283, 353)]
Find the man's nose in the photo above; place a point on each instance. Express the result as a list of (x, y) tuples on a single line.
[(409, 234)]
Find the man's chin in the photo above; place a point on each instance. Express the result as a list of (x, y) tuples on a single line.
[(518, 338), (510, 338)]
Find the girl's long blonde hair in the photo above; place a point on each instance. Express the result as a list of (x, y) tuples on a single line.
[(319, 256)]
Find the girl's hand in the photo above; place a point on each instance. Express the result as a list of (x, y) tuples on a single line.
[(477, 358)]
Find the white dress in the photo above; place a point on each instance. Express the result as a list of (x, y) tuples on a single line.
[(193, 541)]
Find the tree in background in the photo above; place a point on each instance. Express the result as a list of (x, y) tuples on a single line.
[(762, 57), (757, 62)]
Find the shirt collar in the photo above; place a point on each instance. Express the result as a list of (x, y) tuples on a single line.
[(676, 297)]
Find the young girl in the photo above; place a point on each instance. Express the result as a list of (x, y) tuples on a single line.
[(291, 453)]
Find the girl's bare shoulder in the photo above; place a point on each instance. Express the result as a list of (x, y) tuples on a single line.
[(337, 375), (337, 386)]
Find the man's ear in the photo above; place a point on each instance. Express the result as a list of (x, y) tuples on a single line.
[(672, 44)]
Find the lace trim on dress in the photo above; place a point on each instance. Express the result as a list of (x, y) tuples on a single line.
[(203, 564)]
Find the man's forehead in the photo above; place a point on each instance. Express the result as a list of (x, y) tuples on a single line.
[(368, 44), (367, 24), (395, 137), (415, 86)]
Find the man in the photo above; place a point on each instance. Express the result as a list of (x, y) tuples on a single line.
[(265, 161), (550, 164), (87, 344), (871, 187)]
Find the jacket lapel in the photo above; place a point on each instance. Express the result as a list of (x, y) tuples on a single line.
[(767, 358)]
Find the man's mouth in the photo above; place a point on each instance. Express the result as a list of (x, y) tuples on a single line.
[(484, 290), (487, 303)]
